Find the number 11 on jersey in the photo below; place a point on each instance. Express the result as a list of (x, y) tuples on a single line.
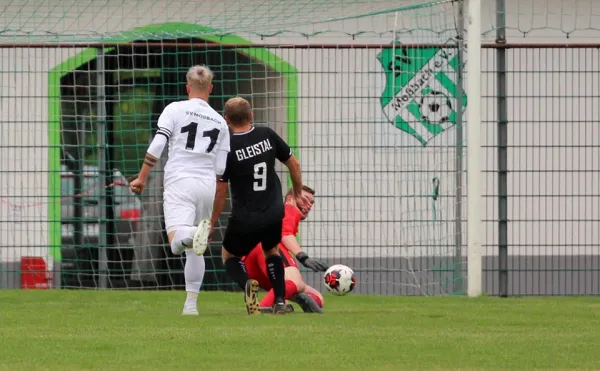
[(260, 176), (192, 130)]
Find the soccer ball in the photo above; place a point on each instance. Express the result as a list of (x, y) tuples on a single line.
[(339, 279), (435, 107)]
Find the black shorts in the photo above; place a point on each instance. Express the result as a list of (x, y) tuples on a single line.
[(240, 238)]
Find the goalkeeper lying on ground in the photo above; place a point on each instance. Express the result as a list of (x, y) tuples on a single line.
[(296, 290)]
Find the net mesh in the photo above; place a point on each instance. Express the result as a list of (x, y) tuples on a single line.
[(87, 20), (30, 21), (366, 92)]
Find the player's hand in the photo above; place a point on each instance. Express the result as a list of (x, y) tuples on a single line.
[(313, 264), (211, 232), (137, 185), (302, 202)]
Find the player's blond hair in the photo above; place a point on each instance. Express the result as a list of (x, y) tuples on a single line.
[(238, 111), (199, 78)]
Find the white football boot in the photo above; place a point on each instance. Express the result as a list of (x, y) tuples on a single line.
[(201, 237), (189, 311)]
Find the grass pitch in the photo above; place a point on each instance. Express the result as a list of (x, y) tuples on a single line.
[(109, 330)]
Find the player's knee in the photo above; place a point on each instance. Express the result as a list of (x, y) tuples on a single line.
[(225, 255), (170, 236), (181, 238), (300, 285), (175, 249), (293, 274)]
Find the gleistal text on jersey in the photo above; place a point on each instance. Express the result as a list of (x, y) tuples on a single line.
[(253, 150)]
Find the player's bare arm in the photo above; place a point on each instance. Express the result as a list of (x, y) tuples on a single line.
[(221, 188), (219, 204), (138, 184), (296, 175), (288, 239), (291, 243), (165, 128)]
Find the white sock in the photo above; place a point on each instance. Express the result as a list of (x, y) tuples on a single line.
[(194, 274), (191, 300), (183, 239)]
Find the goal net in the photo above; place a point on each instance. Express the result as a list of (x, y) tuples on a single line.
[(367, 93)]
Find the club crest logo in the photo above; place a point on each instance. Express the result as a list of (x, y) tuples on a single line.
[(421, 93)]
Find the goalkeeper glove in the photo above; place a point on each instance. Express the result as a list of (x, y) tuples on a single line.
[(315, 265)]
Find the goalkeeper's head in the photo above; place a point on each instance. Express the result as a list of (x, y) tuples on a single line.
[(199, 82), (310, 195), (238, 112)]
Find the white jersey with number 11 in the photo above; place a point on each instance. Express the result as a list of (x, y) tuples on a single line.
[(196, 132)]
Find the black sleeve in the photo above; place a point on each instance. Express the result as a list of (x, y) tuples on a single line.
[(282, 150)]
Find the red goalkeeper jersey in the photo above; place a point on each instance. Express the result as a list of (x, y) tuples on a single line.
[(291, 221)]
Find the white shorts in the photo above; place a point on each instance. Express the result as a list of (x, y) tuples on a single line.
[(188, 201)]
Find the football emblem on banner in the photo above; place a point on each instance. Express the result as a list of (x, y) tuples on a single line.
[(421, 92)]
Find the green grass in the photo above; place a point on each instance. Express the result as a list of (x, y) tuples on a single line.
[(103, 330)]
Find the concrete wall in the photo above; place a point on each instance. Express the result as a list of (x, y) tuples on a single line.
[(24, 189)]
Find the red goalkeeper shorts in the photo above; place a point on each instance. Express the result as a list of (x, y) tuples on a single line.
[(256, 265)]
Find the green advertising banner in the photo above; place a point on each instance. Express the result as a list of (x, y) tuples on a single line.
[(421, 94)]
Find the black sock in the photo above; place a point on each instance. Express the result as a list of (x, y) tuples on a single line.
[(236, 269), (276, 273)]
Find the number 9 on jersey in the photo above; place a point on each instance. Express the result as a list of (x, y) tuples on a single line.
[(260, 176)]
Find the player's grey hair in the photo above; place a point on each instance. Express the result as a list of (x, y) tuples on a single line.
[(199, 77)]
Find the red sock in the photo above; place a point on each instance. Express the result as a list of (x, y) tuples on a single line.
[(269, 299), (317, 299), (290, 291)]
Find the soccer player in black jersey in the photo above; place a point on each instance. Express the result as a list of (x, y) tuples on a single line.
[(257, 210)]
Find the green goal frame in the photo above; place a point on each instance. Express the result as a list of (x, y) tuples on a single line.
[(162, 31)]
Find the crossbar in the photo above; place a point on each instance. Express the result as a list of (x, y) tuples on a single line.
[(292, 46)]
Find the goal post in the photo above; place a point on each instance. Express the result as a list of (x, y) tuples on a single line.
[(474, 152)]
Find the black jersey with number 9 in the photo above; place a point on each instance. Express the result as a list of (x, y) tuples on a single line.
[(255, 187)]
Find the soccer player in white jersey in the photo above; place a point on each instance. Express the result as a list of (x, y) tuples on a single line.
[(198, 140)]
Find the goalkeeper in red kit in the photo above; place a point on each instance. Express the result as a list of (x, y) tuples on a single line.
[(308, 298)]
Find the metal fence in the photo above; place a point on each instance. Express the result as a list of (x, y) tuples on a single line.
[(542, 166), (541, 162)]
